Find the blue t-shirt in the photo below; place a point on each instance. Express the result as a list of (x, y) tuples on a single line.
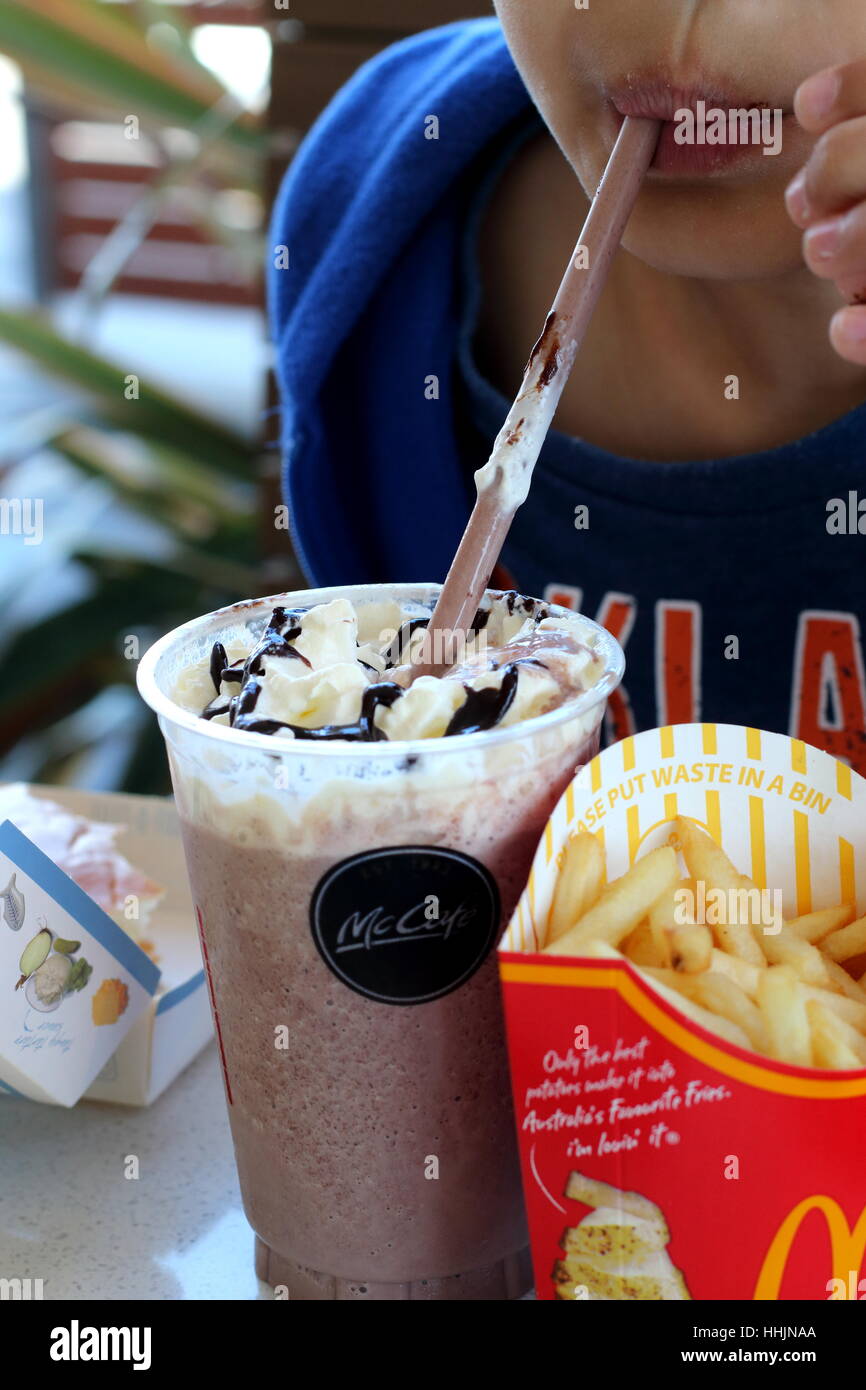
[(736, 585)]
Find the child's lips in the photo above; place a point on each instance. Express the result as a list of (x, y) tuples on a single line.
[(664, 101)]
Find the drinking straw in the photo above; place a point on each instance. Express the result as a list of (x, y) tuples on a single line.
[(503, 483)]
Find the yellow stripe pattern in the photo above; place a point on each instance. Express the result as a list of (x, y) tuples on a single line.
[(714, 815), (847, 872), (753, 744), (802, 863), (758, 842)]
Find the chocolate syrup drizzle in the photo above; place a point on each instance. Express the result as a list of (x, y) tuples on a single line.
[(214, 708), (480, 621), (393, 655), (218, 663), (481, 711), (275, 642), (530, 606), (365, 731)]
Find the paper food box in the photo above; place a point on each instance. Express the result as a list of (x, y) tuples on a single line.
[(662, 1158), (99, 1011)]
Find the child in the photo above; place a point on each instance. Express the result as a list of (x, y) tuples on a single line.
[(703, 492)]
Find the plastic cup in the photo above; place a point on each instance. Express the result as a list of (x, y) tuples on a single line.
[(349, 898)]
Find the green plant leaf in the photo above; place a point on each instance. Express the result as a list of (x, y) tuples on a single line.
[(162, 482), (154, 414), (79, 648), (90, 52)]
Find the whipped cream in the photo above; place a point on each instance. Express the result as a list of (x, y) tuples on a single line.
[(345, 671)]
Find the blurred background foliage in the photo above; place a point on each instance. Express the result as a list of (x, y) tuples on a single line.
[(141, 142), (149, 503)]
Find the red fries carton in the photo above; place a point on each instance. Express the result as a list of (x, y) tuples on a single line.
[(661, 1160)]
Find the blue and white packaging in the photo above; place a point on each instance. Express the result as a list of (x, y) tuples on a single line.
[(72, 982), (133, 1019)]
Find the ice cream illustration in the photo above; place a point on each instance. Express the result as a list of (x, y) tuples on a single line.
[(13, 905)]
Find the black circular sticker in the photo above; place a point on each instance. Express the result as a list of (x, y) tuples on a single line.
[(405, 925)]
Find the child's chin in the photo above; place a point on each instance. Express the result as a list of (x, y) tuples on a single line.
[(721, 234)]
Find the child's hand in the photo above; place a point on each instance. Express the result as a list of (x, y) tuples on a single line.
[(827, 199)]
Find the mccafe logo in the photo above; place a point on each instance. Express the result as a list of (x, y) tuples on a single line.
[(379, 926), (847, 1247), (405, 925)]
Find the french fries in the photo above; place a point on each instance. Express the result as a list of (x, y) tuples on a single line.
[(783, 1004), (816, 925), (835, 1045), (848, 1009), (805, 959), (708, 862), (721, 996), (713, 1023), (622, 905), (691, 948), (841, 980), (644, 947), (578, 885), (680, 941), (745, 975), (847, 942), (783, 993)]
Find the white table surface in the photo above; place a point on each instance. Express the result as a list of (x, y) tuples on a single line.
[(69, 1215)]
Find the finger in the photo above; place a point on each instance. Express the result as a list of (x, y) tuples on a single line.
[(848, 334), (833, 178), (832, 95), (835, 249)]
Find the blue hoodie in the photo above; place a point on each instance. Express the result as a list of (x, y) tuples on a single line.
[(736, 585)]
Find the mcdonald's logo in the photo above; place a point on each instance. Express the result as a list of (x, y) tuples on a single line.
[(847, 1248)]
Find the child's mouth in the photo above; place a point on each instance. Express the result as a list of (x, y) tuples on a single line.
[(705, 130)]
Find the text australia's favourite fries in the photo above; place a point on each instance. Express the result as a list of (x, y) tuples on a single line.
[(777, 988)]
